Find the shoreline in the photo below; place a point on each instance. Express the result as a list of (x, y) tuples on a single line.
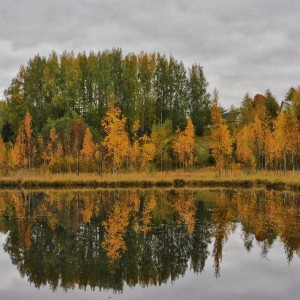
[(167, 183)]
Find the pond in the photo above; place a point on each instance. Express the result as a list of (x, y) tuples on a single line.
[(149, 244)]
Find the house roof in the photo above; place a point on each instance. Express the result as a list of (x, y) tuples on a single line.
[(284, 105), (229, 114)]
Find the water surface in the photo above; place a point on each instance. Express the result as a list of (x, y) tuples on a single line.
[(150, 244)]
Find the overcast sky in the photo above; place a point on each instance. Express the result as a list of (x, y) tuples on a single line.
[(243, 45)]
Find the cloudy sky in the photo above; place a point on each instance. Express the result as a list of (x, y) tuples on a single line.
[(244, 46)]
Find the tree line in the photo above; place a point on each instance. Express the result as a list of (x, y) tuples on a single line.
[(149, 87), (261, 137), (108, 113), (71, 147)]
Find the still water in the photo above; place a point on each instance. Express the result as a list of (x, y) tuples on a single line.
[(149, 244)]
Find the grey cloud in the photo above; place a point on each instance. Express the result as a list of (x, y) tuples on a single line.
[(244, 46)]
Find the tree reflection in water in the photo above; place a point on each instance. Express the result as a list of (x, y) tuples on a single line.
[(105, 238)]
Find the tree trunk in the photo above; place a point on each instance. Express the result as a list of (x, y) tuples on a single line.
[(77, 162), (284, 159)]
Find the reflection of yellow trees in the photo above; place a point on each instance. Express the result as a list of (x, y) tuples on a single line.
[(87, 211), (146, 217), (115, 227), (23, 220), (263, 215), (223, 218), (3, 203), (186, 208), (267, 214), (255, 213), (55, 206)]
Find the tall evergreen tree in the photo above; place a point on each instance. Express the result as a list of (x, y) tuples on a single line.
[(271, 105)]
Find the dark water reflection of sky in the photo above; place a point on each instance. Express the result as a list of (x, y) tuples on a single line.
[(244, 275)]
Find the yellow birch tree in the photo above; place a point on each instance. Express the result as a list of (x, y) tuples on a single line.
[(184, 145), (18, 153), (116, 140), (28, 138), (135, 147), (88, 150), (244, 151), (221, 140), (147, 152)]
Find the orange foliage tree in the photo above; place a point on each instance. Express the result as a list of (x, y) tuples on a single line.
[(286, 135), (184, 145), (115, 228), (221, 140), (244, 150), (88, 149), (55, 150), (116, 140), (22, 152), (147, 152)]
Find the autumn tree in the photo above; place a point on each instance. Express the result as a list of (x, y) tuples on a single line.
[(261, 133), (28, 138), (179, 147), (115, 228), (221, 140), (287, 134), (88, 150), (142, 150), (244, 150), (116, 140), (99, 157), (147, 152), (55, 150), (77, 135), (134, 152), (19, 150), (42, 156), (23, 148), (184, 145), (185, 205)]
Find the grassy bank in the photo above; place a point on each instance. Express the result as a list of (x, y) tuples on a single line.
[(177, 179)]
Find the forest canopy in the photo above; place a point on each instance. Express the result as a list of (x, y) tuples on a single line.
[(106, 112), (147, 87)]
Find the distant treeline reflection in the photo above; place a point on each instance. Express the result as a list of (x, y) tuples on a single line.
[(105, 238)]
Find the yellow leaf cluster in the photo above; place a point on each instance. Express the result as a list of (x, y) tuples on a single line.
[(115, 227), (221, 139), (116, 140), (88, 149), (184, 145)]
